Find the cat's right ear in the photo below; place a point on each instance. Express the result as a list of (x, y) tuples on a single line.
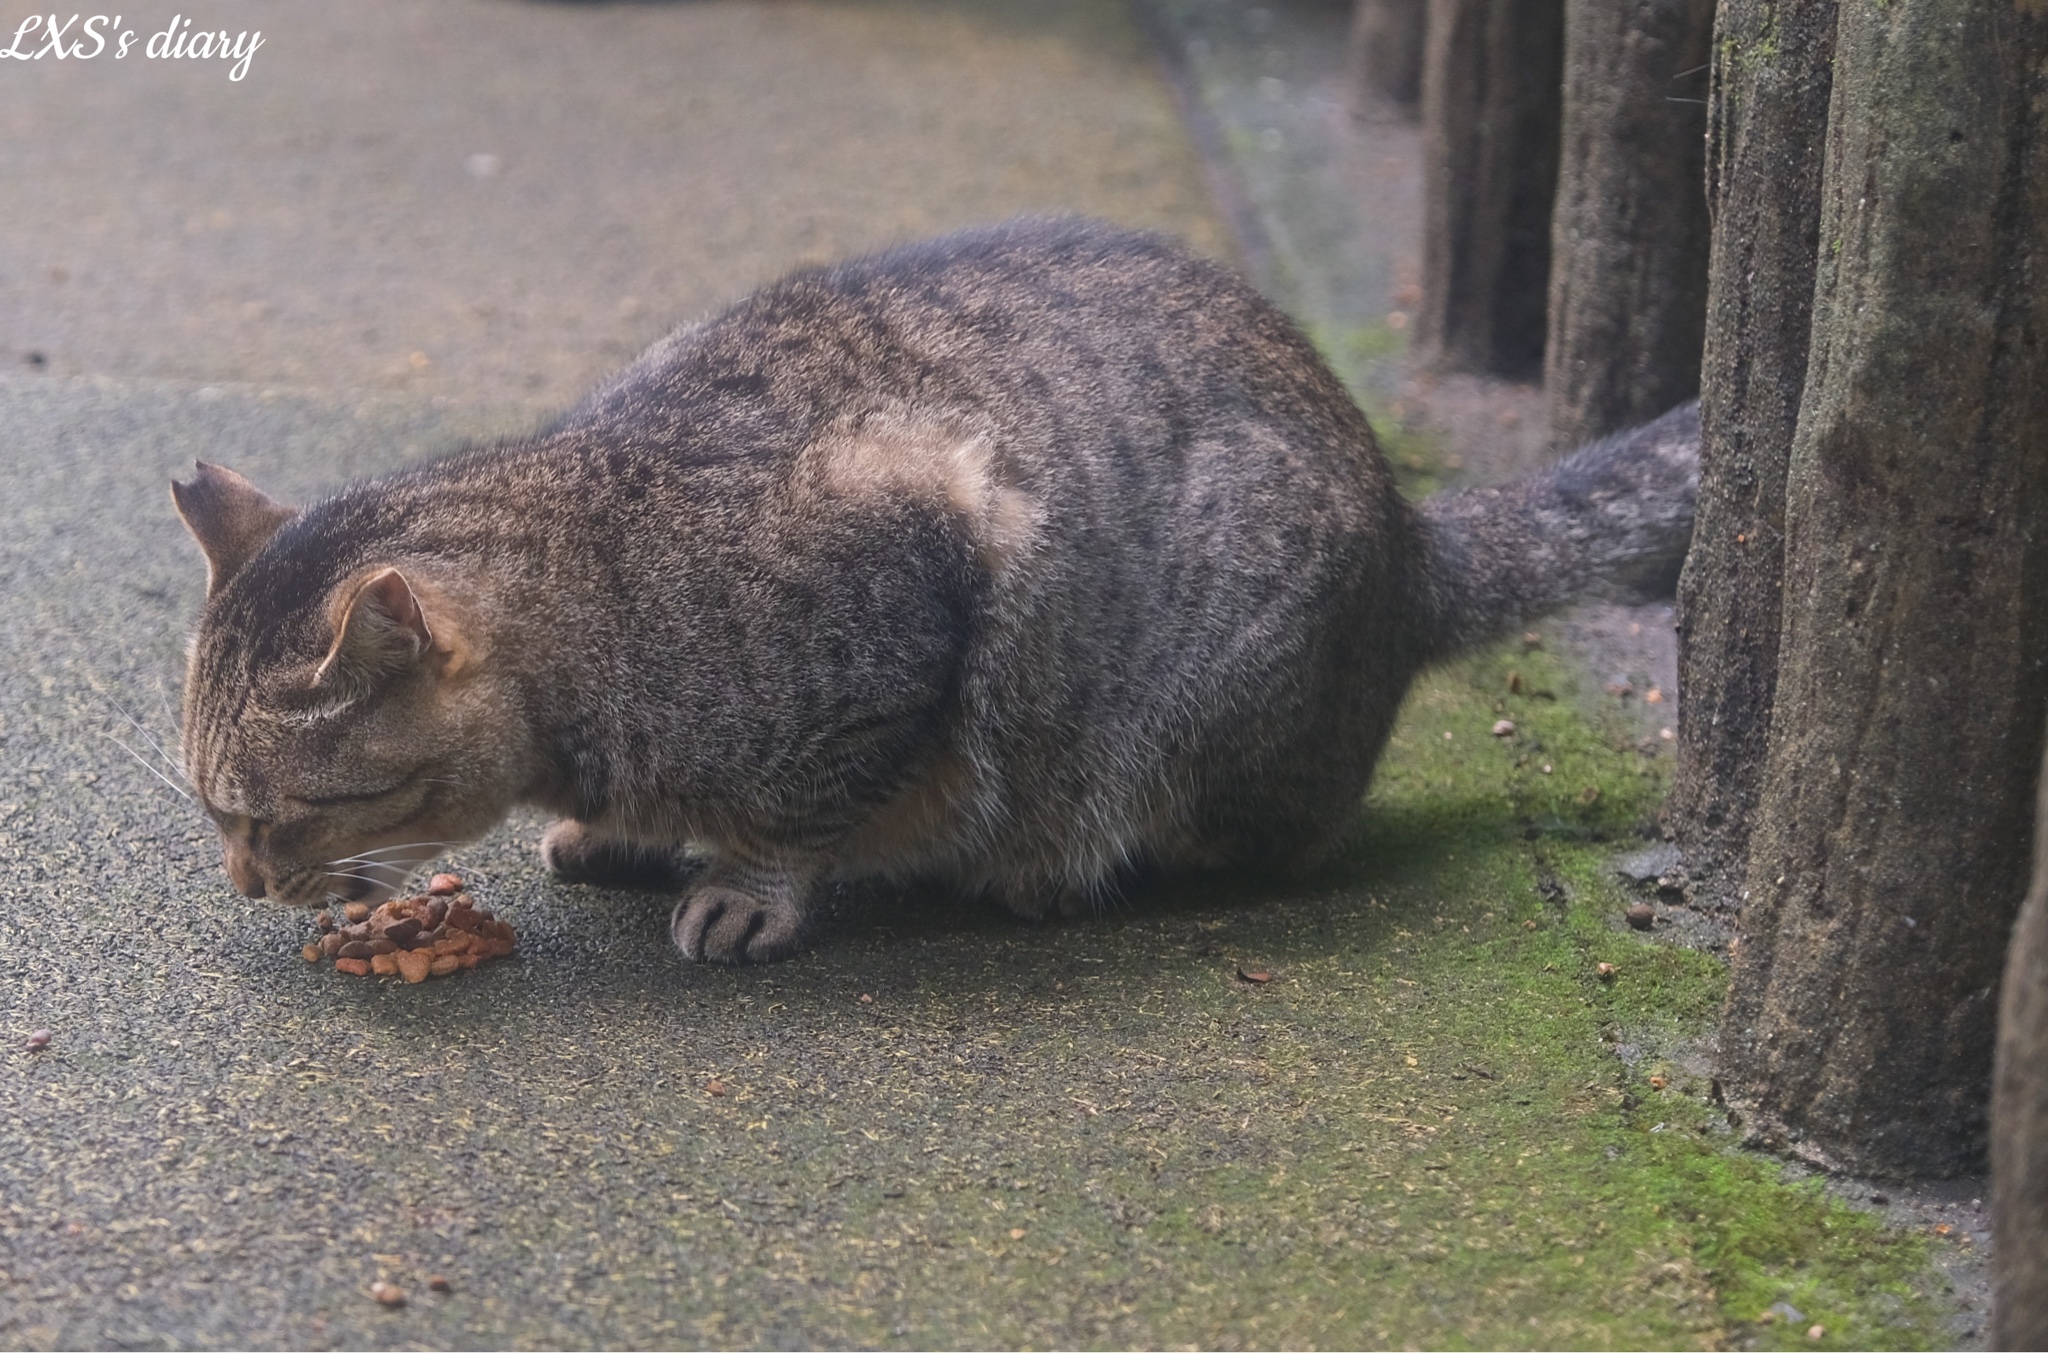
[(229, 517)]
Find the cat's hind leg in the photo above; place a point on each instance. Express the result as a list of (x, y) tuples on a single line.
[(576, 854), (743, 912)]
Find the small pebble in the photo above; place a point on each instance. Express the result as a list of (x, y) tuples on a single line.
[(1256, 978), (440, 1283), (1606, 971), (1816, 1331), (1642, 915), (1505, 728), (1653, 696), (390, 1294), (441, 885), (715, 1088), (39, 1040)]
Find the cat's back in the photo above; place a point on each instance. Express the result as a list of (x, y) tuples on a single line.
[(1070, 336)]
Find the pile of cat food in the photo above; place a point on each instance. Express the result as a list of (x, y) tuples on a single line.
[(431, 934)]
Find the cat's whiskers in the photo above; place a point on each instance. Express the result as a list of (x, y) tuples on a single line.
[(143, 762), (147, 736), (389, 850), (177, 779), (370, 878)]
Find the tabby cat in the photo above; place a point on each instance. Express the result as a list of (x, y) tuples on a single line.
[(1017, 559)]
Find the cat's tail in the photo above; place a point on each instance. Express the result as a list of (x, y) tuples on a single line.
[(1610, 520)]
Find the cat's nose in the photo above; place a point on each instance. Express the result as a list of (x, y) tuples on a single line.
[(243, 872)]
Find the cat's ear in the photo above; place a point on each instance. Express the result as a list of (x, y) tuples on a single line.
[(382, 631), (229, 517)]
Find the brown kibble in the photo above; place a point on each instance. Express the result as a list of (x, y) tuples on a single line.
[(441, 885), (866, 999), (1653, 696), (354, 967), (1642, 915), (404, 937), (714, 1088), (439, 1283), (324, 919), (390, 1294), (1606, 971), (401, 931), (1018, 1233), (311, 953), (1259, 978), (1659, 1082), (357, 912)]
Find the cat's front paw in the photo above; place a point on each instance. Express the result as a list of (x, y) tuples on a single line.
[(575, 854), (716, 923)]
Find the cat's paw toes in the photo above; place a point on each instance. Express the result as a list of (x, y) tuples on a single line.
[(575, 854), (716, 924)]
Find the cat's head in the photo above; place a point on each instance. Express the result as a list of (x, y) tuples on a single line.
[(342, 724)]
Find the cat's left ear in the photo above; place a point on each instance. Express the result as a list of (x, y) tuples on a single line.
[(381, 632), (230, 518)]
